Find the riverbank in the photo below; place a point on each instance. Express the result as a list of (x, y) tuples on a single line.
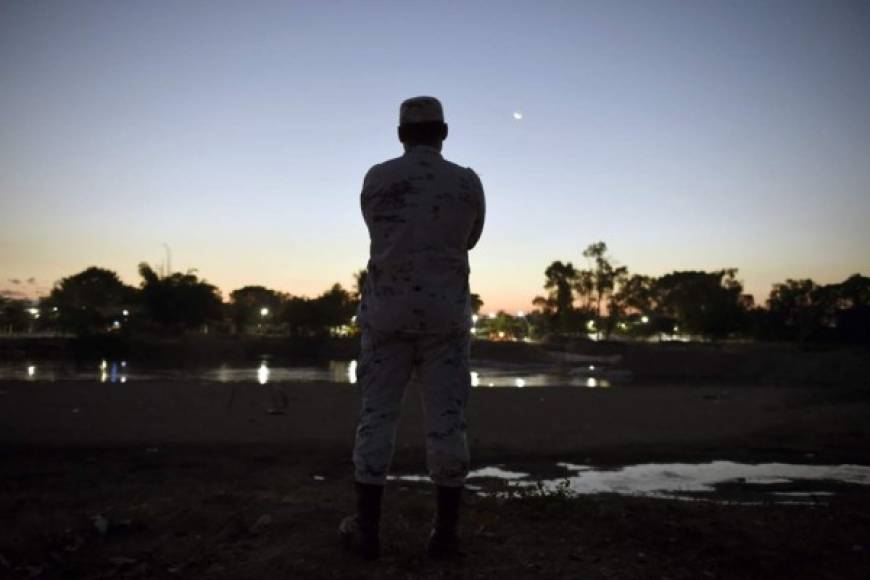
[(259, 512), (211, 480), (611, 425)]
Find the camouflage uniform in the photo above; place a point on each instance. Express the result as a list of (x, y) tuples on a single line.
[(423, 215)]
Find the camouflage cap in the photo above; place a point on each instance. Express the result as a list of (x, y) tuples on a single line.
[(420, 110)]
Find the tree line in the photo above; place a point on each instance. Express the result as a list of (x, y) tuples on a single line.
[(602, 300), (605, 299), (96, 300)]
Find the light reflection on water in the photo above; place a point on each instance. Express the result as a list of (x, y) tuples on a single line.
[(683, 480), (267, 372), (263, 373)]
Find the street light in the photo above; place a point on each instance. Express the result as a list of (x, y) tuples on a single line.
[(264, 312)]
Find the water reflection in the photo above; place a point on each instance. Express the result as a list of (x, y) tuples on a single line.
[(266, 371), (351, 372), (263, 373), (112, 373), (519, 378)]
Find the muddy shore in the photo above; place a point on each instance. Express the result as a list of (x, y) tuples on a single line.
[(611, 425), (205, 480)]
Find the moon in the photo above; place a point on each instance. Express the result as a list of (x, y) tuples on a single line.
[(518, 115)]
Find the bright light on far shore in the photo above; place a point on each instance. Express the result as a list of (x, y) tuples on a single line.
[(518, 115), (264, 311)]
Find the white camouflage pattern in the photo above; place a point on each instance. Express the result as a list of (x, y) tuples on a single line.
[(423, 215), (385, 367)]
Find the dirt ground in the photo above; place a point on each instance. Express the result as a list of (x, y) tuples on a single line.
[(200, 480)]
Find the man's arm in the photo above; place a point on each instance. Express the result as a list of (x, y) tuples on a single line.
[(366, 190), (481, 211)]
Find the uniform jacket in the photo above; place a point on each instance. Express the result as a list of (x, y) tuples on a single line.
[(423, 214)]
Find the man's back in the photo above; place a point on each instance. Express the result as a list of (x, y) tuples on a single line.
[(423, 214)]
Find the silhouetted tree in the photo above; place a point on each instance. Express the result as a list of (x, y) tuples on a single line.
[(604, 275), (852, 318), (299, 315), (476, 303), (584, 286), (90, 300), (179, 301), (634, 303), (254, 305), (635, 294), (595, 287), (794, 309), (704, 303), (805, 310), (559, 280), (13, 315), (334, 308)]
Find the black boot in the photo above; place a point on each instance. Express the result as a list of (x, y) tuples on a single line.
[(359, 533), (444, 539)]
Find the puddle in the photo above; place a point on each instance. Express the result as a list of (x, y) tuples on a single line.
[(483, 473), (781, 483), (497, 473)]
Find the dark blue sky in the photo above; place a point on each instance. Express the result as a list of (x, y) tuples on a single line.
[(687, 135)]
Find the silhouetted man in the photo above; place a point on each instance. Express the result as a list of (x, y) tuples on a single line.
[(423, 215)]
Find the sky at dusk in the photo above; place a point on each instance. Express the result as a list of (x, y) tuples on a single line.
[(686, 135)]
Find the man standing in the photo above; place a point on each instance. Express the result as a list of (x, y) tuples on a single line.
[(423, 214)]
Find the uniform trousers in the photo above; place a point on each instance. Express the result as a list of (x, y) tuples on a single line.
[(386, 363)]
